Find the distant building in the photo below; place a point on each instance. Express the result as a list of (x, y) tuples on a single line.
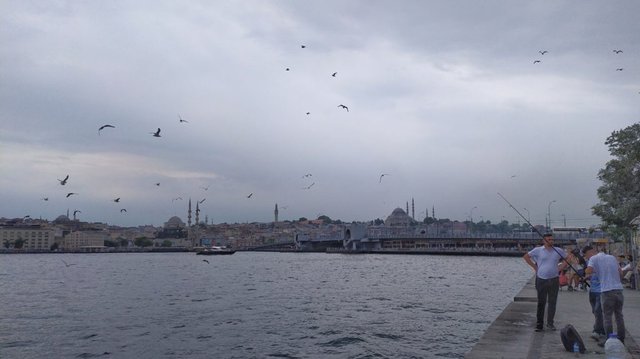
[(398, 218), (85, 240), (33, 237)]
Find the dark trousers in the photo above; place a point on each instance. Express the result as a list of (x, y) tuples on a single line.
[(596, 309), (612, 302), (547, 294)]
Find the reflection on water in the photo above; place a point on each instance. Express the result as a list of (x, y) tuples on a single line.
[(250, 305)]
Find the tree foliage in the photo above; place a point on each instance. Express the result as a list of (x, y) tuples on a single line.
[(619, 193)]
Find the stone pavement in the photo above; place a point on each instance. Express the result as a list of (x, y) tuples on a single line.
[(512, 334)]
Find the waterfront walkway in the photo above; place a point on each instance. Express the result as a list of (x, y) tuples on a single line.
[(512, 336)]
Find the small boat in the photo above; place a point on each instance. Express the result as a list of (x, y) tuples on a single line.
[(215, 250)]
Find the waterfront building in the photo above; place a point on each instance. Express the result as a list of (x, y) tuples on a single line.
[(398, 218), (85, 240), (32, 237)]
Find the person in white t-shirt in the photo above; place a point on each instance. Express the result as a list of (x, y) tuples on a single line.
[(609, 272), (545, 261)]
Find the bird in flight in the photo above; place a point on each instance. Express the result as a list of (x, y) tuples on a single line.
[(176, 199), (67, 264), (250, 194), (70, 194), (204, 260), (64, 181), (156, 134), (117, 200), (617, 51), (334, 74), (307, 175), (303, 46), (343, 106), (105, 126), (123, 210), (382, 175), (309, 186), (513, 176), (619, 69), (287, 69), (181, 120), (45, 199), (158, 184), (76, 211), (308, 113), (537, 61), (542, 52), (202, 201), (205, 188)]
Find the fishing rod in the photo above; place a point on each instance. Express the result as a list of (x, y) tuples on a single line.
[(543, 238)]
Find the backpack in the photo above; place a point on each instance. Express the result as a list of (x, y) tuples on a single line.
[(569, 335)]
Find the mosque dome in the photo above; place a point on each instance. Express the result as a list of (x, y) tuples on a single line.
[(62, 219), (398, 218), (174, 222)]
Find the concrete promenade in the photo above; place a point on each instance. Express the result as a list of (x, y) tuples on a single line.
[(512, 334)]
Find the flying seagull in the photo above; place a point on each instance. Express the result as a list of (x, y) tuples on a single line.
[(64, 181), (308, 113), (157, 183), (542, 52), (303, 46), (287, 69), (250, 194), (45, 199), (204, 199), (382, 175), (117, 200), (67, 264), (513, 176), (307, 175), (334, 74), (176, 199), (617, 51), (105, 126), (123, 210), (76, 211), (181, 120), (343, 106), (156, 134), (619, 69), (537, 61), (204, 260), (309, 186), (70, 194), (205, 188)]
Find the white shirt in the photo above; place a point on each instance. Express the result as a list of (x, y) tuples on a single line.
[(606, 267)]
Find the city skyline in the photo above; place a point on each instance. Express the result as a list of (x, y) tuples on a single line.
[(347, 113)]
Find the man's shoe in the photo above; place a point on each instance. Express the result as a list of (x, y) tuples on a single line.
[(551, 327), (596, 336), (539, 328)]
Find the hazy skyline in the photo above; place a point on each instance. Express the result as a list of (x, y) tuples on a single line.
[(443, 96)]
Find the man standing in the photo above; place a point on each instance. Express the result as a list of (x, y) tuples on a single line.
[(595, 292), (606, 267), (544, 260)]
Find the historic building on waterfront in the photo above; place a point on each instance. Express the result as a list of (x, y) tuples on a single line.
[(398, 218)]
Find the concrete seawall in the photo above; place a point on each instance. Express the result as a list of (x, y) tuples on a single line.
[(512, 334)]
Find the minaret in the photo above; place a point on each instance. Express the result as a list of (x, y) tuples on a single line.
[(433, 212), (189, 214), (275, 214), (197, 213), (407, 208), (413, 209)]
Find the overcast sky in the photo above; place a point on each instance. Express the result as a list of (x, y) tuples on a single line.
[(443, 96)]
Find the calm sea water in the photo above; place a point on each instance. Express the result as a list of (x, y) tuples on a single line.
[(250, 305)]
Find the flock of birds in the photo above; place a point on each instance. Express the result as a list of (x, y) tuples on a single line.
[(158, 131), (543, 52), (157, 134)]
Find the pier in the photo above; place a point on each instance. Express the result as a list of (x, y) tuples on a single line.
[(512, 334)]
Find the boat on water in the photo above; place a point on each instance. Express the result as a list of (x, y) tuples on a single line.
[(215, 250)]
